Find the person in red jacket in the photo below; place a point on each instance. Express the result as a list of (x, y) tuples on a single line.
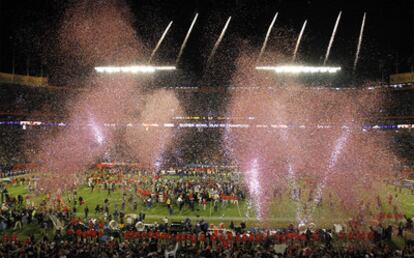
[(244, 238), (238, 239), (70, 232), (226, 244), (360, 236), (252, 237), (315, 236), (230, 237)]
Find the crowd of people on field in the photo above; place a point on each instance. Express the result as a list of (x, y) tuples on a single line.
[(93, 238), (192, 190), (108, 230)]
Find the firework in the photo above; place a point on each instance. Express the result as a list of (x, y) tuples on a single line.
[(187, 36), (298, 41), (220, 38), (160, 41), (269, 30), (361, 34), (328, 50)]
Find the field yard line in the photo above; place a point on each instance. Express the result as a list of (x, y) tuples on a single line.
[(238, 208)]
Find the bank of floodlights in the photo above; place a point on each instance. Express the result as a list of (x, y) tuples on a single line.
[(299, 69), (133, 69)]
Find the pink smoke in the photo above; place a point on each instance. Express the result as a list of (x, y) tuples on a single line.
[(292, 150), (95, 33)]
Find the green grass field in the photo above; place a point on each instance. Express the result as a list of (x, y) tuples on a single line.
[(282, 211)]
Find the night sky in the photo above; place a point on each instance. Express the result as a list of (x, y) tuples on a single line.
[(29, 31)]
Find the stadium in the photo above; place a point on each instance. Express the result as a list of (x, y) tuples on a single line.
[(206, 129)]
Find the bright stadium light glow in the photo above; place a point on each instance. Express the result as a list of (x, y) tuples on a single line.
[(297, 69), (133, 69)]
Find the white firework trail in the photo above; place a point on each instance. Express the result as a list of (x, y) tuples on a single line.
[(187, 36), (255, 188), (293, 182), (336, 153), (361, 34), (160, 41), (269, 30), (299, 40), (328, 51), (216, 45), (96, 130)]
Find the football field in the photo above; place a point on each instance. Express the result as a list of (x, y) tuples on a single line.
[(282, 211)]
